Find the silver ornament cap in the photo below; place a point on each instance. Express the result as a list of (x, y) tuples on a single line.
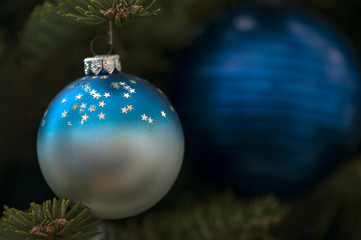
[(102, 64)]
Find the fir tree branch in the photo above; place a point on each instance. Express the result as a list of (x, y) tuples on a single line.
[(101, 11), (53, 220), (218, 218)]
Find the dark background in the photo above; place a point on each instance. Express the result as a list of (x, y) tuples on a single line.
[(149, 49)]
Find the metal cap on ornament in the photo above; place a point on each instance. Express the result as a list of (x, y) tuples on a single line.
[(102, 64)]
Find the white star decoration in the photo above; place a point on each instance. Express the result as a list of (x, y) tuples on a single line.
[(83, 105), (64, 100), (64, 114), (102, 104), (106, 95), (163, 114), (131, 90), (93, 92), (125, 110), (84, 117), (150, 120), (144, 117), (96, 95), (101, 116), (92, 108), (87, 89), (126, 95), (114, 85), (130, 108), (78, 97)]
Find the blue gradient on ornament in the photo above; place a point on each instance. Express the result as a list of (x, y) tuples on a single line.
[(118, 166), (272, 100)]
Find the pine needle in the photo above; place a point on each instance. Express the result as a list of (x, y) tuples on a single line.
[(47, 221)]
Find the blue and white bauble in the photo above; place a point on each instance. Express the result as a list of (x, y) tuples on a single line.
[(112, 141)]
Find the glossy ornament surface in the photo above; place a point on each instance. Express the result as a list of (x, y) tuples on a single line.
[(112, 141), (270, 100)]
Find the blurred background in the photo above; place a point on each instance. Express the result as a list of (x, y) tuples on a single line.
[(268, 93)]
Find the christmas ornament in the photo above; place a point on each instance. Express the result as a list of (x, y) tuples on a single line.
[(110, 140), (270, 100)]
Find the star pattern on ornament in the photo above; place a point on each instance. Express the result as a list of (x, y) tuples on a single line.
[(71, 86), (92, 108), (85, 117), (96, 96), (144, 117), (95, 77), (101, 116), (75, 107), (163, 114), (99, 108), (43, 123), (172, 108), (114, 85), (102, 104), (64, 114), (125, 110), (78, 97), (87, 89), (46, 113)]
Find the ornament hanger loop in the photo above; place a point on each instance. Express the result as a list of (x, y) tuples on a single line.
[(93, 41), (110, 40)]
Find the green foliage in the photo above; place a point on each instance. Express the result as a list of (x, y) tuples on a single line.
[(100, 11), (339, 204), (53, 220), (218, 217), (45, 31)]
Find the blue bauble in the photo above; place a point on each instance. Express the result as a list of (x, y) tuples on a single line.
[(270, 100), (112, 141)]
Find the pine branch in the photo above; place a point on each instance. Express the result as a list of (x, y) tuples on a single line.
[(101, 11), (53, 220), (220, 217), (45, 31)]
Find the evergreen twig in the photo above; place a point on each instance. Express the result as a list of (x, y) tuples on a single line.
[(101, 11), (217, 218), (53, 220)]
